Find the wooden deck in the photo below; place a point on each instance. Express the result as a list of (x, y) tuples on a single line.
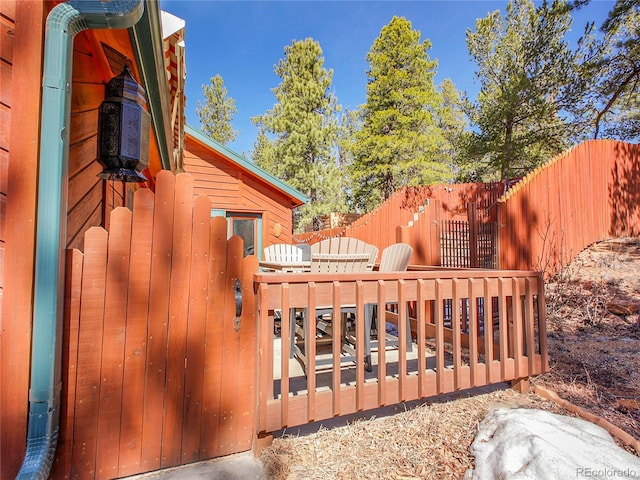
[(449, 313)]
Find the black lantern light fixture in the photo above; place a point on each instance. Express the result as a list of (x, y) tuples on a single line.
[(123, 130)]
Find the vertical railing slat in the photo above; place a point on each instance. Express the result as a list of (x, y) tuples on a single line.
[(439, 319), (542, 326), (517, 325), (488, 329), (455, 324), (360, 353), (336, 348), (382, 343), (529, 327), (473, 332), (403, 337), (421, 338), (310, 351), (502, 325), (287, 336)]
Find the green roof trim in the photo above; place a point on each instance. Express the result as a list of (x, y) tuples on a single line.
[(146, 37), (246, 164)]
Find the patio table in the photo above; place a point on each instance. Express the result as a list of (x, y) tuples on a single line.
[(286, 267)]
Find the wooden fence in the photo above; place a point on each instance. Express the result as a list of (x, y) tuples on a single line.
[(585, 195), (416, 204), (156, 373), (470, 328), (588, 194)]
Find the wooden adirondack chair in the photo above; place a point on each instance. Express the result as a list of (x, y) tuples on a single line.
[(395, 258), (283, 253), (346, 245)]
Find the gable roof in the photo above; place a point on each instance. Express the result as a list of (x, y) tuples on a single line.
[(242, 163)]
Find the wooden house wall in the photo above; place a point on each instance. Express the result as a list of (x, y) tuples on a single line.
[(234, 190), (21, 37), (22, 27), (90, 198), (7, 26)]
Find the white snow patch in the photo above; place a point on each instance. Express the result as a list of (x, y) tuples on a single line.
[(535, 444)]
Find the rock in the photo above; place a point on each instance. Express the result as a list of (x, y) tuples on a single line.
[(623, 307)]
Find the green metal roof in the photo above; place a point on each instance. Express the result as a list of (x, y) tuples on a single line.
[(246, 164)]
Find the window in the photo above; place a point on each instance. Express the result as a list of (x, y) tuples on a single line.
[(247, 226)]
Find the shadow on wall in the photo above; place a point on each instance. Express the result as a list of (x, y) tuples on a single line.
[(624, 191)]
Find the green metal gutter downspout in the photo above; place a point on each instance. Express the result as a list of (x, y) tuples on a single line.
[(64, 22), (150, 56)]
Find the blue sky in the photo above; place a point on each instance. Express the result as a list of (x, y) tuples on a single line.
[(243, 40)]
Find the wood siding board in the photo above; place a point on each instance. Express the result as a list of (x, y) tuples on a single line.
[(83, 126), (195, 355), (86, 96), (22, 145), (5, 124), (110, 404), (7, 31), (90, 353), (152, 428), (5, 81), (178, 321), (138, 305), (82, 183), (212, 385), (78, 215), (4, 173), (94, 219), (82, 153)]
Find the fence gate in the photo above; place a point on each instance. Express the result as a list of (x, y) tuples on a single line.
[(470, 243), (159, 359)]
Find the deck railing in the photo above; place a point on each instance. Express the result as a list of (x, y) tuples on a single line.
[(449, 313)]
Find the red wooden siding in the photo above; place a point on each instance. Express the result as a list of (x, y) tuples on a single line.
[(21, 36), (230, 188), (90, 198), (154, 373)]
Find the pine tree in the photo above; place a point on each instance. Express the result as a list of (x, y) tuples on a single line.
[(524, 69), (297, 140), (400, 141), (608, 82), (216, 114)]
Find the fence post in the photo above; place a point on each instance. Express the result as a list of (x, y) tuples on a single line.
[(436, 238), (402, 234), (473, 234)]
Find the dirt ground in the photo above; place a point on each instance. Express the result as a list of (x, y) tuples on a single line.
[(594, 332), (594, 338)]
